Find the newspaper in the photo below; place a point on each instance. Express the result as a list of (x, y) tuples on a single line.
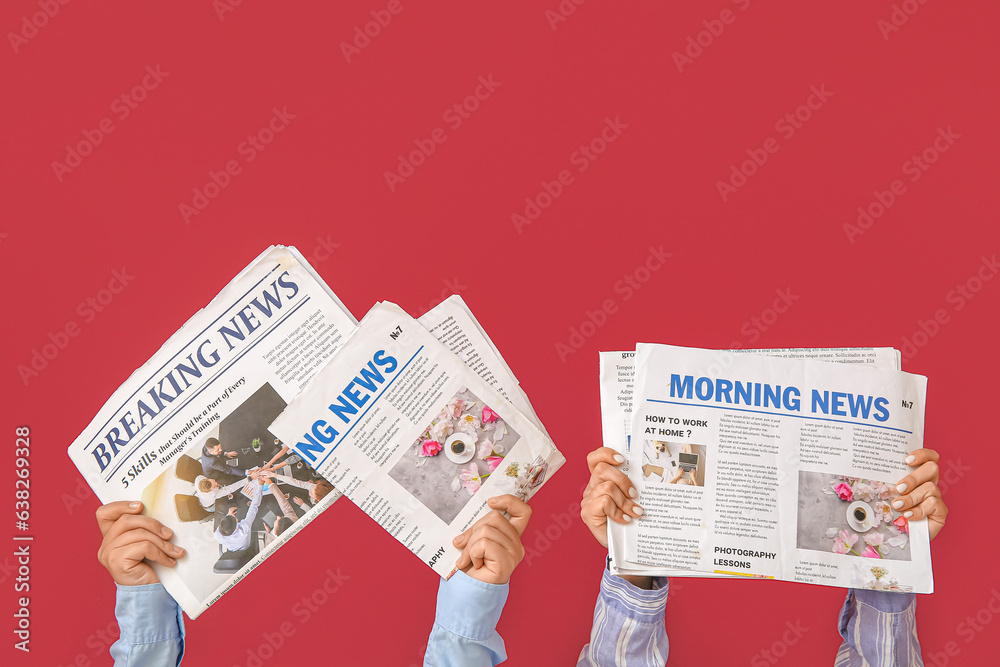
[(223, 376), (412, 435), (617, 381), (766, 467), (453, 324)]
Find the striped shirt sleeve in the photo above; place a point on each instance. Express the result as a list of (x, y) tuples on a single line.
[(879, 629), (629, 628)]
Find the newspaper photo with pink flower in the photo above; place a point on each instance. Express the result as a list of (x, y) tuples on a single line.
[(416, 435), (774, 467)]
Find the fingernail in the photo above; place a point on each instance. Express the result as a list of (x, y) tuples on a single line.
[(638, 511), (165, 532), (172, 562), (628, 519), (910, 459), (178, 550), (632, 493), (901, 488), (135, 505), (897, 503), (907, 514), (619, 458)]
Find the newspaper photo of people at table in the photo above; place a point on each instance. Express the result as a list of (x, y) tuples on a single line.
[(233, 494)]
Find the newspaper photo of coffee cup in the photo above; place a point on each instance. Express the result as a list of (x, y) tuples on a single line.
[(852, 516), (455, 454)]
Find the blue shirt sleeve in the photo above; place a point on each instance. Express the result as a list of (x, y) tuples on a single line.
[(629, 625), (151, 627), (464, 632), (879, 629)]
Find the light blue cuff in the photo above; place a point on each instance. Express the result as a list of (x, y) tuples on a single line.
[(470, 608), (151, 627)]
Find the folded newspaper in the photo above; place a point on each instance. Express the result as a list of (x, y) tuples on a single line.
[(413, 435), (775, 466), (187, 430)]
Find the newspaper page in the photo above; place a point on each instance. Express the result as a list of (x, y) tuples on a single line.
[(617, 382), (413, 436), (785, 468), (188, 427), (453, 324)]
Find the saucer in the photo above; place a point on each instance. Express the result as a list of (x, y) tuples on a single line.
[(466, 445), (852, 521)]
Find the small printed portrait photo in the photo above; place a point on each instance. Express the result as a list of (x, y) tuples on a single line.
[(463, 445), (232, 493), (673, 462), (852, 516)]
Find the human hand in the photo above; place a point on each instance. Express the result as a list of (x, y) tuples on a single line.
[(298, 501), (491, 548), (231, 455), (232, 511), (609, 493), (131, 541), (919, 495)]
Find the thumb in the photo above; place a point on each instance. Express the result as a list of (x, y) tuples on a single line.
[(461, 540), (463, 561), (518, 512)]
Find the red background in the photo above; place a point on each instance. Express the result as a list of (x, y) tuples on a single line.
[(450, 224)]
